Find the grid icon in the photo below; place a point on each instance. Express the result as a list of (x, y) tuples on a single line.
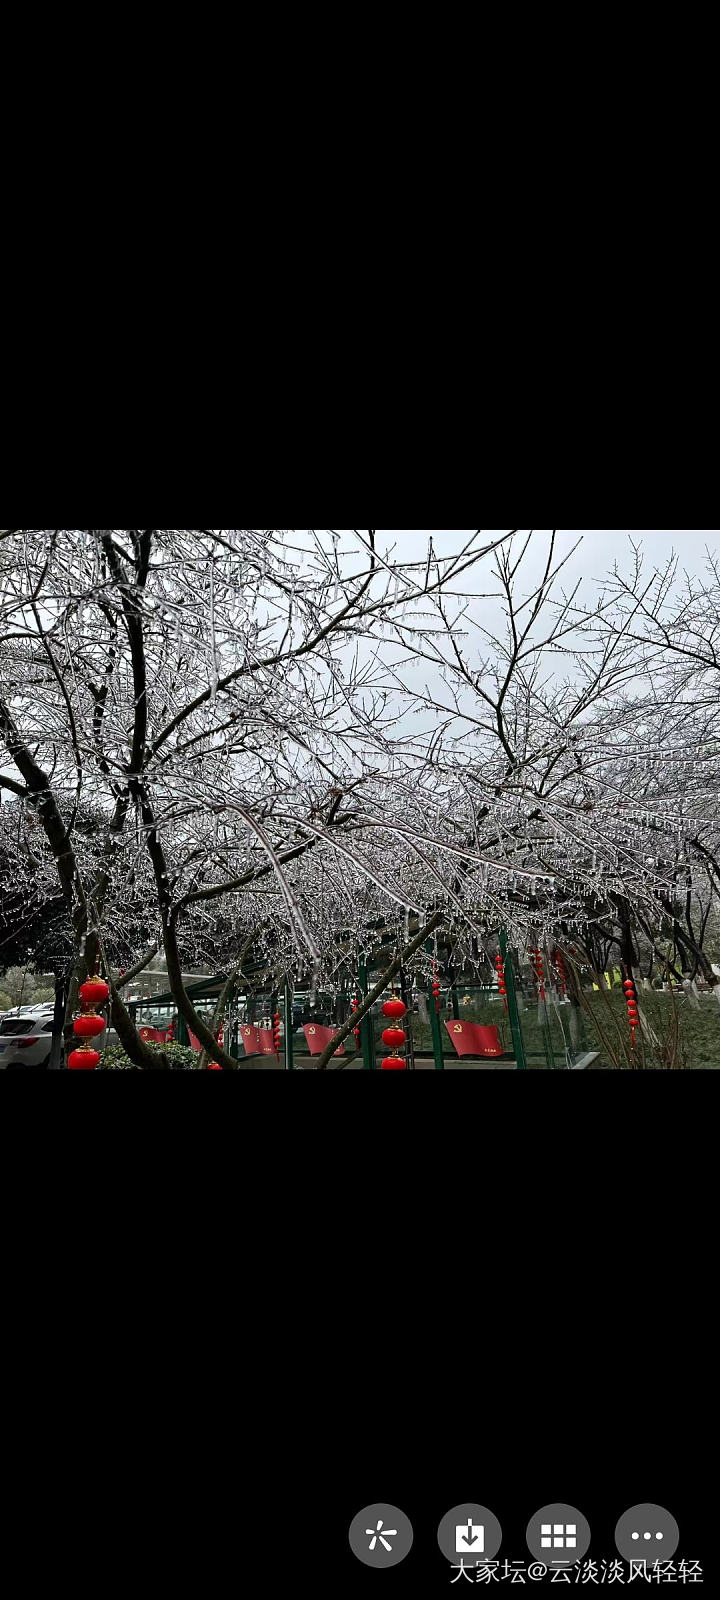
[(558, 1536)]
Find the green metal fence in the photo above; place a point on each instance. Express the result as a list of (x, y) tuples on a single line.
[(539, 1026)]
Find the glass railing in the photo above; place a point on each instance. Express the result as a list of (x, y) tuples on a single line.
[(550, 1029)]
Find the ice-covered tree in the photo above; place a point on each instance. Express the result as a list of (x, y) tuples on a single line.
[(218, 740), (218, 696)]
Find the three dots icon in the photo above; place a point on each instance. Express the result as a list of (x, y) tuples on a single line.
[(647, 1533)]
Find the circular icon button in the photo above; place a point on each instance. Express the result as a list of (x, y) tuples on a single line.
[(558, 1535), (647, 1533), (381, 1535), (469, 1533)]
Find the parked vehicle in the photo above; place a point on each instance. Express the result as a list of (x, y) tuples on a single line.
[(26, 1038)]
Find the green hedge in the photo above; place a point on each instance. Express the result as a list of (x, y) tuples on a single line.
[(180, 1057)]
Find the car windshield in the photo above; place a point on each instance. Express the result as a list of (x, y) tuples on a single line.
[(15, 1025)]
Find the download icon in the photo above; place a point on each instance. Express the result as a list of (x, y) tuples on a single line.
[(470, 1537)]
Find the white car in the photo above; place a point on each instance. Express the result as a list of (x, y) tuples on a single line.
[(26, 1038)]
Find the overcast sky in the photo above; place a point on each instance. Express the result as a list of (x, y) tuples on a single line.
[(595, 557), (592, 562)]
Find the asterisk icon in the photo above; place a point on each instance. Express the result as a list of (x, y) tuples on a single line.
[(376, 1534)]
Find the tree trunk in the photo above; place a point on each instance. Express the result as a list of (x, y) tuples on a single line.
[(356, 1017)]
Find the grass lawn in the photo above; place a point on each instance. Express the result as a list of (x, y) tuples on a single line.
[(698, 1026)]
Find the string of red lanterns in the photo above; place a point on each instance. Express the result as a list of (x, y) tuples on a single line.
[(559, 965), (436, 985), (356, 1031), (89, 1025), (632, 1008), (276, 1033), (536, 960), (500, 969), (394, 1037)]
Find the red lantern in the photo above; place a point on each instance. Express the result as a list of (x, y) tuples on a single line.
[(94, 993), (214, 1066), (536, 958), (393, 1063), (89, 1026), (83, 1060), (560, 970), (632, 1008), (393, 1037), (394, 1008)]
